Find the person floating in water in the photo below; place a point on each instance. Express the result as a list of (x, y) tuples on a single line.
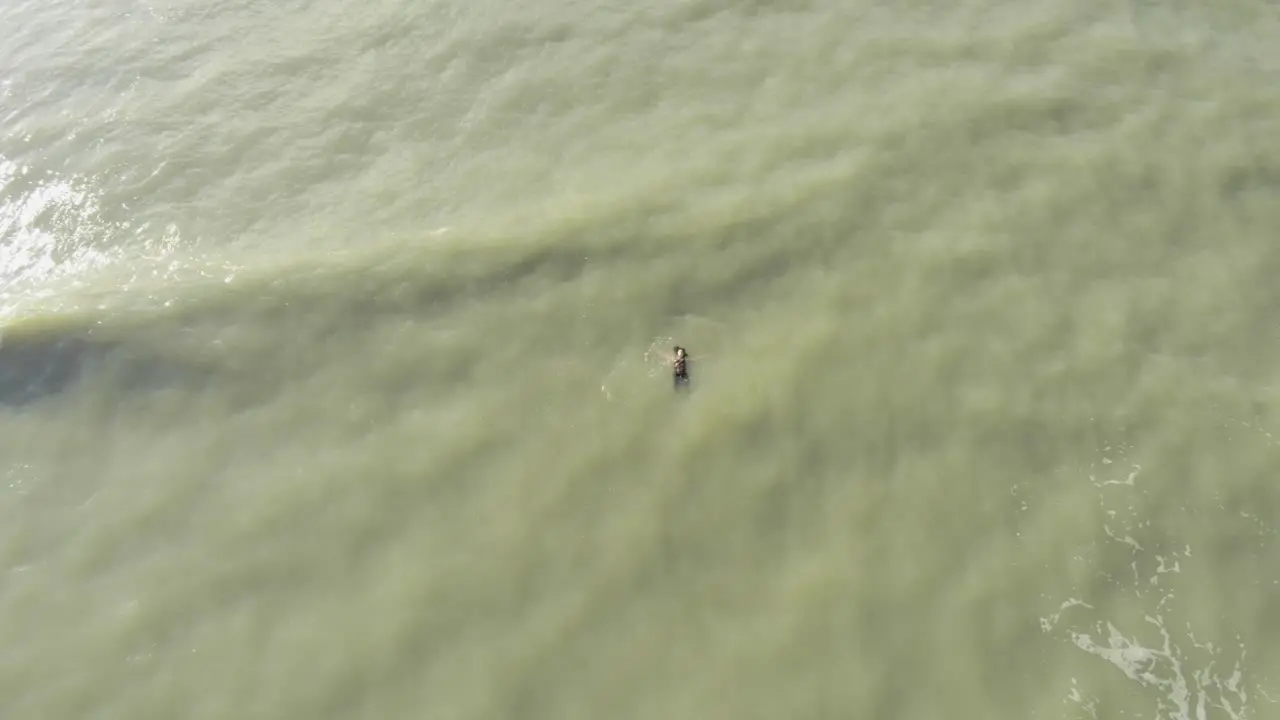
[(679, 367)]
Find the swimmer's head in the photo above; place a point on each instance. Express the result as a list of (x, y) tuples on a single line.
[(679, 351)]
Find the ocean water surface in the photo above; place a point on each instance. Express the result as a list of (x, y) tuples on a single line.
[(331, 379)]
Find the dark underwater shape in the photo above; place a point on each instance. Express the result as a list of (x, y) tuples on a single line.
[(38, 364), (35, 367)]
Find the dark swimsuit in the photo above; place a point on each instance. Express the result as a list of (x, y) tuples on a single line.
[(680, 373)]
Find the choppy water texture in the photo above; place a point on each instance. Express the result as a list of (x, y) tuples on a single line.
[(329, 378)]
